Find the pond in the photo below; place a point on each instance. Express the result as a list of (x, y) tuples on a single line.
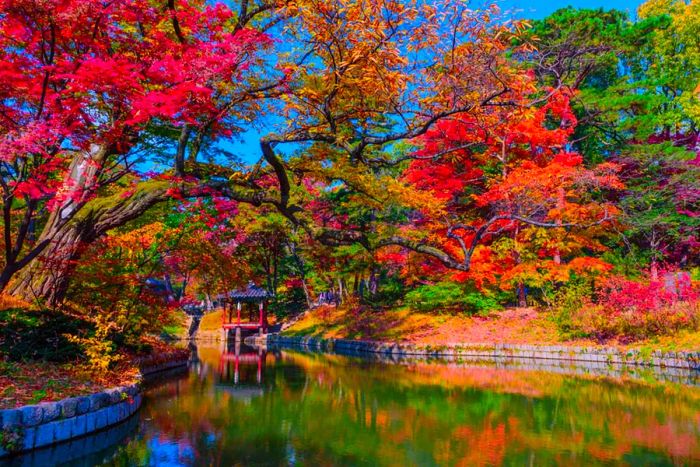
[(291, 407)]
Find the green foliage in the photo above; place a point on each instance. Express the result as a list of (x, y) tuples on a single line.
[(628, 262), (37, 396), (451, 296), (482, 304), (581, 48), (391, 290), (39, 335), (568, 301), (695, 274), (11, 438), (289, 301)]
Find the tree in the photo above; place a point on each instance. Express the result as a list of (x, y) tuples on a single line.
[(89, 90), (515, 204), (580, 50), (152, 81), (637, 107), (387, 77), (662, 160)]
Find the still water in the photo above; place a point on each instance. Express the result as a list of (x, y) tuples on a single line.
[(290, 407)]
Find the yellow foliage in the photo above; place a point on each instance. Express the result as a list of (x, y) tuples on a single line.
[(99, 350), (8, 301)]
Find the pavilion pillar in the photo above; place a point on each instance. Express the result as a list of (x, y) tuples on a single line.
[(237, 352), (238, 309), (262, 320)]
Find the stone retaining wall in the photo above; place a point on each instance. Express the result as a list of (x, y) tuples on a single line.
[(146, 372), (47, 423), (603, 355), (505, 360)]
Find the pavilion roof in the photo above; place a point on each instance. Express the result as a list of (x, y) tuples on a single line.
[(250, 293)]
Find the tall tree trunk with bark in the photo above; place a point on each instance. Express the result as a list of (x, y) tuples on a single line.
[(76, 189), (522, 295), (302, 272), (47, 277), (373, 281)]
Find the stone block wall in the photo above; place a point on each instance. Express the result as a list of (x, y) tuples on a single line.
[(609, 355), (676, 367), (35, 426)]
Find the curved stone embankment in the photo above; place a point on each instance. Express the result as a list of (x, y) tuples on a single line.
[(34, 426), (679, 367)]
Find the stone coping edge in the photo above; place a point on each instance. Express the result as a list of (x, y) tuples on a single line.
[(35, 426), (608, 355)]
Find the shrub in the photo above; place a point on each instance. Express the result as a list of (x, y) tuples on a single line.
[(40, 335), (636, 309), (289, 300), (114, 296), (451, 296), (567, 303), (99, 350)]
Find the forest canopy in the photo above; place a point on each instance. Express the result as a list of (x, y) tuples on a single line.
[(417, 153)]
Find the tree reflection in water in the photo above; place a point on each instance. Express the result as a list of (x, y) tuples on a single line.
[(245, 406)]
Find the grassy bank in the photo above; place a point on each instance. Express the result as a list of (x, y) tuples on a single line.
[(28, 382), (511, 326), (49, 355), (211, 322)]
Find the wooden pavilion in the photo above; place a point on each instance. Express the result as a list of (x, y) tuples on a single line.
[(253, 318)]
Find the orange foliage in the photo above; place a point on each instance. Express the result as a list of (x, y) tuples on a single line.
[(10, 301)]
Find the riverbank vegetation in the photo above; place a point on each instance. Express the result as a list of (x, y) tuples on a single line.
[(412, 162), (512, 326)]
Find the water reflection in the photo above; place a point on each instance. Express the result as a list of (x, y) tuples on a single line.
[(236, 358), (243, 406)]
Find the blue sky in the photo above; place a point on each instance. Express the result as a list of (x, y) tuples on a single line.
[(246, 145)]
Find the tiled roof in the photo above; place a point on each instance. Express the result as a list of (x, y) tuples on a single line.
[(251, 292)]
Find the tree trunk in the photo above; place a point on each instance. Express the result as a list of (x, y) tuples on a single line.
[(522, 295), (309, 302), (655, 244), (302, 272), (275, 273), (373, 281), (169, 287), (47, 277), (561, 203), (654, 269)]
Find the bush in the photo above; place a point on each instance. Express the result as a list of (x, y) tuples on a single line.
[(451, 296), (40, 335), (391, 290), (289, 300), (636, 309), (567, 304)]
